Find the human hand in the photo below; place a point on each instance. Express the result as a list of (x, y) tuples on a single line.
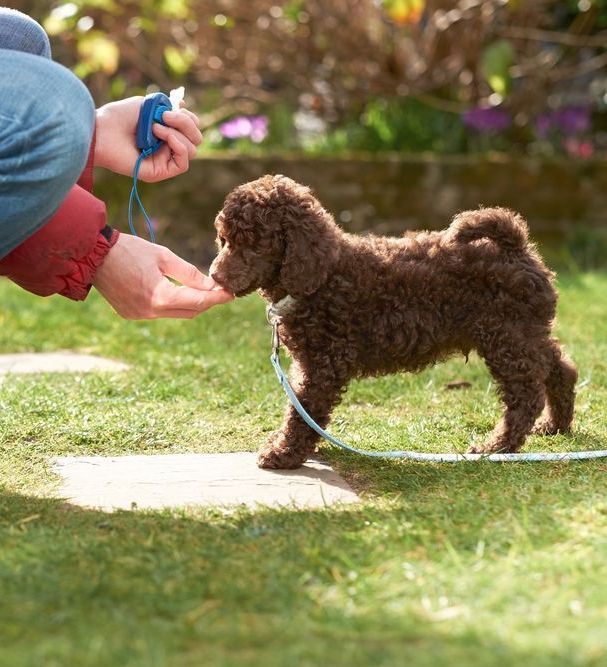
[(134, 280), (115, 147)]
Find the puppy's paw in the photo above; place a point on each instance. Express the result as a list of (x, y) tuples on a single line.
[(545, 426), (276, 454), (491, 447), (277, 460)]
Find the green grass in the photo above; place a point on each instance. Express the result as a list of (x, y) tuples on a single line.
[(473, 564)]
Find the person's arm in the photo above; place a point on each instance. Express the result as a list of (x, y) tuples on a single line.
[(63, 255), (134, 278), (77, 249)]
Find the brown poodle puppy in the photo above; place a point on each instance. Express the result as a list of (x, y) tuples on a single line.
[(372, 305)]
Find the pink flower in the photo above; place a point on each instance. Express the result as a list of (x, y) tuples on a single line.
[(577, 148), (252, 127)]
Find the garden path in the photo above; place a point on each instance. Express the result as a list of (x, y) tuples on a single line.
[(176, 480)]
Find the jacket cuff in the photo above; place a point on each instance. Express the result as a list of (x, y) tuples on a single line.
[(77, 284), (63, 255)]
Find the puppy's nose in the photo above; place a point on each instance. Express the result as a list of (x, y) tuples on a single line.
[(216, 276)]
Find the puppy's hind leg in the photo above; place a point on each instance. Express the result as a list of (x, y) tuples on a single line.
[(560, 392), (520, 373), (289, 447)]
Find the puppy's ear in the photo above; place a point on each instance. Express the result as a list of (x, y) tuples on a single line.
[(311, 248)]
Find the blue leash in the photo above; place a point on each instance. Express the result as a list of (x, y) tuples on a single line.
[(135, 196), (414, 456)]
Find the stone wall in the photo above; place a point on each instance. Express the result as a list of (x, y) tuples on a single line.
[(386, 196)]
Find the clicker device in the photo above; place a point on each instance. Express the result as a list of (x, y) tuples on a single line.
[(153, 107)]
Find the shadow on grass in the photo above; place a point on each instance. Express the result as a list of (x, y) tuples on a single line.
[(277, 587)]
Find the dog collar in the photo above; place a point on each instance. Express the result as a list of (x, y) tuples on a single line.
[(282, 307)]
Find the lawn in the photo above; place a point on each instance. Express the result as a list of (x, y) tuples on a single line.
[(467, 564)]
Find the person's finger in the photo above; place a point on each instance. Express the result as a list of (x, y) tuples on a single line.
[(187, 274), (173, 138), (183, 314), (172, 159), (191, 114), (195, 119), (180, 314), (183, 121), (170, 297)]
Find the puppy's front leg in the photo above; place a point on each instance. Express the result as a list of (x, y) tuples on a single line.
[(318, 392)]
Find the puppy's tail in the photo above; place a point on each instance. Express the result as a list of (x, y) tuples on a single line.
[(504, 227)]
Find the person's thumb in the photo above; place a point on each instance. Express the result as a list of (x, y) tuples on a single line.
[(187, 274)]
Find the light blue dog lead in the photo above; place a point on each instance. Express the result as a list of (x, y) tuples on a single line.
[(273, 313)]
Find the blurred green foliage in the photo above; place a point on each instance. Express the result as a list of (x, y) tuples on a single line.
[(350, 75), (396, 125)]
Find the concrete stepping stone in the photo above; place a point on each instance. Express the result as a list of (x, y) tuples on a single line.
[(56, 362), (177, 480)]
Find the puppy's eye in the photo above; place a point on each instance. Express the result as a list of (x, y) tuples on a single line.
[(222, 241)]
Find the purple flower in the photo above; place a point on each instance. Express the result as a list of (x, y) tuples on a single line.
[(574, 120), (245, 127), (568, 121), (487, 119), (543, 124)]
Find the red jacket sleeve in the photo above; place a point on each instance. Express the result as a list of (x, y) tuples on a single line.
[(63, 255)]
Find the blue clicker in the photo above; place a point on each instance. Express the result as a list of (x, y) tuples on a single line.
[(154, 105)]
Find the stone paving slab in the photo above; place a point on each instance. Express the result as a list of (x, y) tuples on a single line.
[(56, 362), (177, 480)]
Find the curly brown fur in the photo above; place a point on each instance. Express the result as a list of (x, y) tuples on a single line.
[(374, 305)]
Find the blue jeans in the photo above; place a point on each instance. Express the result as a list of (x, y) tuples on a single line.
[(47, 117)]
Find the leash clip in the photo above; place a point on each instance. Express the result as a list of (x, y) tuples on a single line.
[(274, 313), (273, 319), (275, 338)]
